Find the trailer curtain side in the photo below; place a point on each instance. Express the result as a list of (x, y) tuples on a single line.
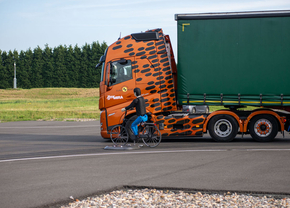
[(234, 58)]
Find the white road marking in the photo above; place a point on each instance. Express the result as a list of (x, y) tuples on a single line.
[(141, 152), (268, 149)]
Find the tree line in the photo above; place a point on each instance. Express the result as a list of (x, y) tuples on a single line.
[(62, 66)]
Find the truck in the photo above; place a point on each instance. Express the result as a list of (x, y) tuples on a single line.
[(233, 59)]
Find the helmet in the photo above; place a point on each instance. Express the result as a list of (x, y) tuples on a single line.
[(137, 91)]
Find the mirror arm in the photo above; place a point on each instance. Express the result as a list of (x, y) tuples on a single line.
[(99, 64)]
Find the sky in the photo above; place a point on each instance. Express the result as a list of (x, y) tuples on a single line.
[(30, 23)]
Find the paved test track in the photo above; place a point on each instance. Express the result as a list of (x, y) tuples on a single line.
[(43, 163)]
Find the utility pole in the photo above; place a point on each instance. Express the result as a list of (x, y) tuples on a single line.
[(14, 80)]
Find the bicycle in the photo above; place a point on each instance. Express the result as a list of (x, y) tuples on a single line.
[(147, 131)]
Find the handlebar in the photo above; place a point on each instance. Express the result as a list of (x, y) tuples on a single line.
[(148, 113)]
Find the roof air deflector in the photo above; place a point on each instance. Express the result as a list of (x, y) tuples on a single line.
[(147, 36)]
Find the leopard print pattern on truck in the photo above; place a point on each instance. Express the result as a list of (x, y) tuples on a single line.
[(181, 125), (152, 69)]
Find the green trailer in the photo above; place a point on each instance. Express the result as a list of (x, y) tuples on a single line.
[(234, 59)]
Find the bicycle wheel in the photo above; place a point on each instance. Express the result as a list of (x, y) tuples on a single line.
[(119, 135), (151, 136)]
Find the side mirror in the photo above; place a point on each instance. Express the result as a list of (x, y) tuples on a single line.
[(102, 59), (99, 64)]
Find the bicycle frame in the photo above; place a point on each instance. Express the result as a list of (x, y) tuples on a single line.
[(147, 131)]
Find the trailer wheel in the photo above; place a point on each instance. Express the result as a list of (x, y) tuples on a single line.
[(223, 128), (263, 128)]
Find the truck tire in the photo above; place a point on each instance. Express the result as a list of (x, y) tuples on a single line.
[(263, 128), (223, 128)]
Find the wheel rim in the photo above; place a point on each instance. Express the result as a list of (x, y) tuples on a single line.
[(263, 127), (153, 136), (119, 135), (223, 128)]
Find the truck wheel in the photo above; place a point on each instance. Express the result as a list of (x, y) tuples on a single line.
[(223, 128), (263, 128)]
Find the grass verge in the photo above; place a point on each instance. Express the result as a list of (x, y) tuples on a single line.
[(49, 104)]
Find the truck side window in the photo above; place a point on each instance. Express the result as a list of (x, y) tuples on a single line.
[(120, 71)]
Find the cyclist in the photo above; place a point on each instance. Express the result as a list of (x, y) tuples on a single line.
[(139, 104)]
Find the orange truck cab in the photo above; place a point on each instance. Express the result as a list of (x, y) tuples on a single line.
[(145, 60)]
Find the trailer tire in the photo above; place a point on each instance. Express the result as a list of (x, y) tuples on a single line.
[(263, 128), (223, 128)]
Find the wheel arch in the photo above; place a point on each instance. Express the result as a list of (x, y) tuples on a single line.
[(265, 112), (128, 116), (222, 112)]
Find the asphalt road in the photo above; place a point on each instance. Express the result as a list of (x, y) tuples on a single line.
[(42, 163)]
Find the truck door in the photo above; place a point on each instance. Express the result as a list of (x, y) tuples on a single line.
[(120, 82)]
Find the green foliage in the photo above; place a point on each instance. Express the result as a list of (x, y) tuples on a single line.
[(37, 67), (61, 66), (2, 72), (48, 69), (70, 65)]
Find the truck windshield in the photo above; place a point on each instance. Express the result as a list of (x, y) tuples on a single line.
[(103, 65), (102, 73)]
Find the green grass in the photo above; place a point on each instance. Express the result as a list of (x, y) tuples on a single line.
[(215, 108), (49, 104)]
